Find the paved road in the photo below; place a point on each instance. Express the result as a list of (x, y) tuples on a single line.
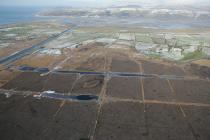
[(11, 58)]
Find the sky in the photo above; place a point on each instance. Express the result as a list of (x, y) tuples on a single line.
[(97, 3)]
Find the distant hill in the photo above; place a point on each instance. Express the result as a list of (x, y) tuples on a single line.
[(135, 11)]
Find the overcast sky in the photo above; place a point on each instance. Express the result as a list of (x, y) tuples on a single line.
[(97, 3)]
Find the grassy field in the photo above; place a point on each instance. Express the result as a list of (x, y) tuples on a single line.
[(193, 55)]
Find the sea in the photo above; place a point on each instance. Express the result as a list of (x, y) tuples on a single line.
[(12, 15)]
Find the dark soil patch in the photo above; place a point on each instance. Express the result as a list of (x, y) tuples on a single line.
[(27, 81), (124, 66), (74, 122), (167, 122), (26, 118), (125, 88), (192, 91), (121, 121), (198, 119), (155, 68), (61, 83), (157, 89)]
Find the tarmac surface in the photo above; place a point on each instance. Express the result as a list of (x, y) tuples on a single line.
[(126, 107)]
